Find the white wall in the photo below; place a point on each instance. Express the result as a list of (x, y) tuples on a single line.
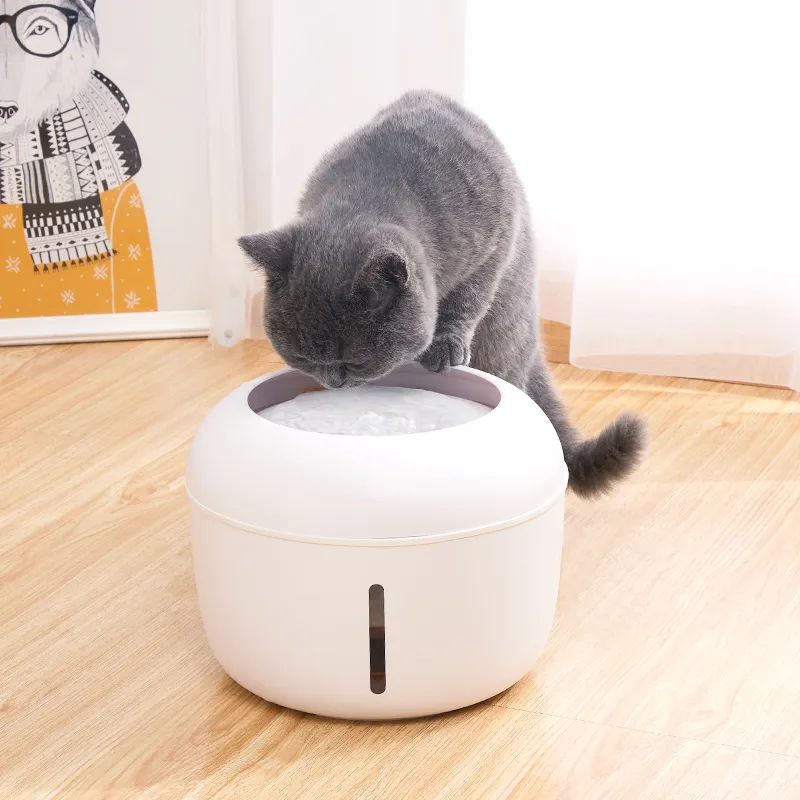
[(256, 35), (325, 69)]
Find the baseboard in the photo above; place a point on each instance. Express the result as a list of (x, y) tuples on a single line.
[(104, 327), (556, 340)]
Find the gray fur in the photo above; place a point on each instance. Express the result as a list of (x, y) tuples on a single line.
[(414, 242)]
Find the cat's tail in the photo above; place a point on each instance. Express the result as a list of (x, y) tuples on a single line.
[(595, 465)]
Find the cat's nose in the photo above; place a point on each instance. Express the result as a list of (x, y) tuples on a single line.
[(335, 377), (337, 381), (7, 110)]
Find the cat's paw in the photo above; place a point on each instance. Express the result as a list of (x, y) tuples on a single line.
[(446, 352)]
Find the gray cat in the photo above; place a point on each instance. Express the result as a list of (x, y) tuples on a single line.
[(414, 243)]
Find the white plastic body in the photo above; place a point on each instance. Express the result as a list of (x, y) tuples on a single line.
[(462, 528)]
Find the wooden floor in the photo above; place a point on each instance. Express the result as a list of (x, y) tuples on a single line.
[(673, 671)]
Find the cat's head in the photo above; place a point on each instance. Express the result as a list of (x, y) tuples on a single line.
[(345, 304)]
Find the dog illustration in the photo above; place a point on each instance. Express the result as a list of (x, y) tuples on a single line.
[(73, 231)]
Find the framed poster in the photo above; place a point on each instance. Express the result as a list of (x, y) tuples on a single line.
[(120, 173)]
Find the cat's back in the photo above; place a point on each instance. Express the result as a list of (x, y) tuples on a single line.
[(424, 142), (430, 114)]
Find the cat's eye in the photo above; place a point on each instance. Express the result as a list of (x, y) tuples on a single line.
[(378, 300), (373, 299), (355, 367)]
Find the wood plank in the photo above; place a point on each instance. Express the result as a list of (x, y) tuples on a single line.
[(694, 565), (556, 341), (672, 672)]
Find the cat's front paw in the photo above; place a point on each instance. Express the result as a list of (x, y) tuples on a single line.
[(446, 352)]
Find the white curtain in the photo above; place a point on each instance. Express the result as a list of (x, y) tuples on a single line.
[(309, 72), (659, 147)]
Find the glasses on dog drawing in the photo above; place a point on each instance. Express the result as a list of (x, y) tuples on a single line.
[(42, 30)]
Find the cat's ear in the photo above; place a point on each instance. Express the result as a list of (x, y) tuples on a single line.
[(390, 267), (271, 252), (386, 275)]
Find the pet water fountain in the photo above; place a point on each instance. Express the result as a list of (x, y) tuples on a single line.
[(377, 576)]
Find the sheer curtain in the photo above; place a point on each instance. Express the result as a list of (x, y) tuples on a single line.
[(309, 72), (659, 147)]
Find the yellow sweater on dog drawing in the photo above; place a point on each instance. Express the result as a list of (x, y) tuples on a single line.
[(123, 282), (73, 230)]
